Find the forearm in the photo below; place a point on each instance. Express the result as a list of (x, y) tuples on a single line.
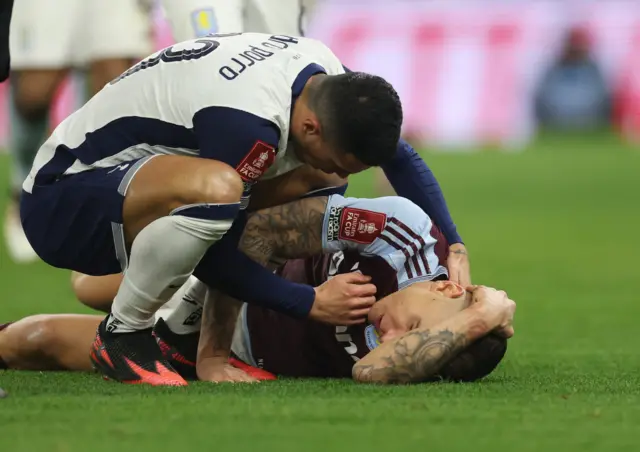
[(219, 316), (418, 355), (97, 292), (235, 274), (411, 178)]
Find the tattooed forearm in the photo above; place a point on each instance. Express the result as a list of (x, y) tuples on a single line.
[(220, 313), (288, 231), (415, 357)]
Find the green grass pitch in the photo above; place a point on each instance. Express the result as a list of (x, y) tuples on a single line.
[(556, 226)]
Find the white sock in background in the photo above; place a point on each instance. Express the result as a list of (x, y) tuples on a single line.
[(186, 317)]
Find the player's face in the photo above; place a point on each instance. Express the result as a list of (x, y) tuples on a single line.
[(422, 305), (324, 158), (312, 149)]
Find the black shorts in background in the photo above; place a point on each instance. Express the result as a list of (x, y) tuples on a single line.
[(6, 7)]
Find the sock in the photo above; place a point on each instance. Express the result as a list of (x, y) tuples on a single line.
[(187, 316), (163, 256), (27, 135)]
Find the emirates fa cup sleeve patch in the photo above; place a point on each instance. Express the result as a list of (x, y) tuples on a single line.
[(361, 226), (257, 162)]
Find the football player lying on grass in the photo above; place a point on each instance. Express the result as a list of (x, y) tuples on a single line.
[(422, 328)]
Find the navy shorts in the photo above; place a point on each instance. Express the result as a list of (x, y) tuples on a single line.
[(75, 222)]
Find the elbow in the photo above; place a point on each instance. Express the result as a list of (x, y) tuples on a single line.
[(85, 291), (79, 286), (362, 373)]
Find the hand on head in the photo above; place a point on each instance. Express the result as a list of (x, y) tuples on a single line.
[(497, 308)]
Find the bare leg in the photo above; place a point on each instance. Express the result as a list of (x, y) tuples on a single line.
[(49, 342), (102, 72)]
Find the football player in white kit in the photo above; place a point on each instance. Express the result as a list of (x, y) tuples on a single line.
[(158, 165), (197, 18), (47, 39)]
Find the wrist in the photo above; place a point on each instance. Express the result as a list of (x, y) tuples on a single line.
[(210, 360), (313, 309), (479, 321), (209, 352)]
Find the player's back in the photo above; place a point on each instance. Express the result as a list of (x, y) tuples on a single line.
[(150, 108)]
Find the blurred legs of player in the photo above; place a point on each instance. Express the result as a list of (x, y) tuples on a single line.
[(47, 38), (191, 19), (275, 16), (195, 18), (32, 92)]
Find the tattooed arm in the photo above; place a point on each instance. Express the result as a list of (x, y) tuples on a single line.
[(288, 231), (419, 354), (219, 316)]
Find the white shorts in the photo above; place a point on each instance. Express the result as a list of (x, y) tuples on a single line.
[(53, 34), (190, 19)]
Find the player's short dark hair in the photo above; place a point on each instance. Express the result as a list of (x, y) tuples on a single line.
[(476, 361), (360, 114)]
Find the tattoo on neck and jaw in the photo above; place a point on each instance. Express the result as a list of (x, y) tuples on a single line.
[(416, 356)]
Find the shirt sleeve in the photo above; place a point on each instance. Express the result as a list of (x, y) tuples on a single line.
[(356, 224), (245, 141)]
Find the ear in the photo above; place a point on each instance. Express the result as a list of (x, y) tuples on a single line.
[(311, 125), (449, 289)]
